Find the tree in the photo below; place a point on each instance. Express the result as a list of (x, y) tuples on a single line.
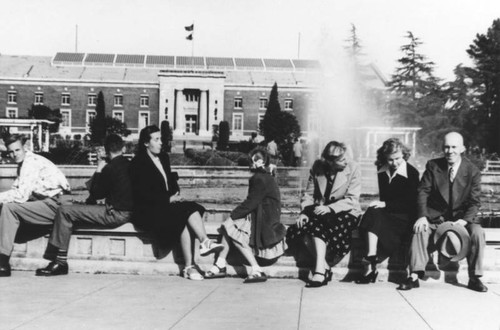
[(166, 136), (280, 126), (98, 124), (43, 112), (417, 97), (223, 135), (115, 126), (485, 53)]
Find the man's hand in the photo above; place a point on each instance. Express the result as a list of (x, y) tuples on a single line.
[(460, 222), (377, 204), (322, 209), (301, 220), (176, 197), (421, 225), (101, 159)]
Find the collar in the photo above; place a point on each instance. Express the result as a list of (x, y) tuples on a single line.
[(456, 165), (401, 170), (151, 155)]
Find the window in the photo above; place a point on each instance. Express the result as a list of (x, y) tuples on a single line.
[(143, 119), (237, 122), (144, 101), (11, 112), (65, 99), (39, 98), (288, 104), (90, 117), (92, 99), (215, 113), (238, 103), (191, 97), (11, 97), (262, 104), (118, 115), (259, 119), (65, 118), (118, 100)]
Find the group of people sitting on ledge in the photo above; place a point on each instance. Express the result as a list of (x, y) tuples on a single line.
[(145, 192)]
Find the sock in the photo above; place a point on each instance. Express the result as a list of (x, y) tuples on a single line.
[(4, 259), (414, 276), (221, 262), (62, 257), (256, 269)]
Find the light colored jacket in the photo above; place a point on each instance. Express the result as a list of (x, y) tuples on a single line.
[(345, 191)]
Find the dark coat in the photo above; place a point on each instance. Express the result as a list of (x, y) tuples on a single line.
[(400, 195), (263, 203), (151, 198), (433, 191)]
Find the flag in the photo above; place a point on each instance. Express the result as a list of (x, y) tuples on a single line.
[(190, 27), (190, 37)]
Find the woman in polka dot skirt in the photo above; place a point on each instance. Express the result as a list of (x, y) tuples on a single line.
[(330, 210)]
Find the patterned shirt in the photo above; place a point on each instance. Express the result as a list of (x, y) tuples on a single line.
[(37, 179)]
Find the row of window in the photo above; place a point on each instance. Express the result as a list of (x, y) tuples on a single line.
[(238, 103), (238, 121), (66, 99)]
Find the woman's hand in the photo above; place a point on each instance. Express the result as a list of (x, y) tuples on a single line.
[(322, 209), (176, 197), (301, 220)]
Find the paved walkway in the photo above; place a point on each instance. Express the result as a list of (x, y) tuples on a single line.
[(84, 301)]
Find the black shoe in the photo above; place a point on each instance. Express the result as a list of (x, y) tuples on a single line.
[(409, 284), (328, 274), (369, 278), (317, 284), (5, 270), (53, 269), (476, 285)]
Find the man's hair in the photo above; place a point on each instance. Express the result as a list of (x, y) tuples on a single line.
[(11, 138), (113, 143), (331, 148)]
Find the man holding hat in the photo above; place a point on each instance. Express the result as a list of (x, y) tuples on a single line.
[(449, 191)]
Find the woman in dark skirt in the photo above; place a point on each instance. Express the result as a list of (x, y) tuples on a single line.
[(388, 221), (171, 222), (330, 210)]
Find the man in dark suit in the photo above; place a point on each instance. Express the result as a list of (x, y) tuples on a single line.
[(450, 190), (111, 181)]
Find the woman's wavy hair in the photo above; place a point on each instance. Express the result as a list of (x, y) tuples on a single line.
[(145, 137), (334, 145), (391, 146), (260, 153)]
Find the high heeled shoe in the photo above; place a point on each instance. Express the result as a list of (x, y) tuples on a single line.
[(371, 277), (328, 274), (317, 284)]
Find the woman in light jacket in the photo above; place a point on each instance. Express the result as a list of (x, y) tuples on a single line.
[(330, 210), (254, 226)]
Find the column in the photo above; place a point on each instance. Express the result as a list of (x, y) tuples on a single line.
[(47, 140), (40, 132), (203, 114), (180, 126)]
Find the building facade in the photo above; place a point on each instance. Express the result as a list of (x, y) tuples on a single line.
[(192, 93)]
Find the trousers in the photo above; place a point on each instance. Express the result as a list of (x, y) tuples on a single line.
[(69, 215), (421, 247), (41, 212)]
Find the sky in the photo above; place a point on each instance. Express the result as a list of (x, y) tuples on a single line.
[(308, 29)]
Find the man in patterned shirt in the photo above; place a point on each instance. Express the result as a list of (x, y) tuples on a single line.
[(33, 197)]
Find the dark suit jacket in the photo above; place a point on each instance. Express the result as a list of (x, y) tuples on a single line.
[(433, 191), (151, 197), (264, 204)]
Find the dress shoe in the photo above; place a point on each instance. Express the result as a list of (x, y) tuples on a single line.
[(409, 284), (371, 277), (476, 285), (53, 269), (5, 270), (317, 284)]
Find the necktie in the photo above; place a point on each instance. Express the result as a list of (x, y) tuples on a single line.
[(452, 174)]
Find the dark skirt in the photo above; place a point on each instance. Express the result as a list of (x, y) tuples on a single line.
[(166, 222), (390, 228), (335, 229)]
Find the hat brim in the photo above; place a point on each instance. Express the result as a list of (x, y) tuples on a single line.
[(462, 234)]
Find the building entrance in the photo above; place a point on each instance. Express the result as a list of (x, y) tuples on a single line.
[(191, 124)]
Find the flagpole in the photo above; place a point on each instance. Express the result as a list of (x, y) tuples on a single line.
[(192, 49)]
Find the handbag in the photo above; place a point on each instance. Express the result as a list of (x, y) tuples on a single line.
[(173, 184)]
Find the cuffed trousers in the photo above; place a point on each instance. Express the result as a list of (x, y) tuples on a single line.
[(421, 246), (12, 214), (68, 215)]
